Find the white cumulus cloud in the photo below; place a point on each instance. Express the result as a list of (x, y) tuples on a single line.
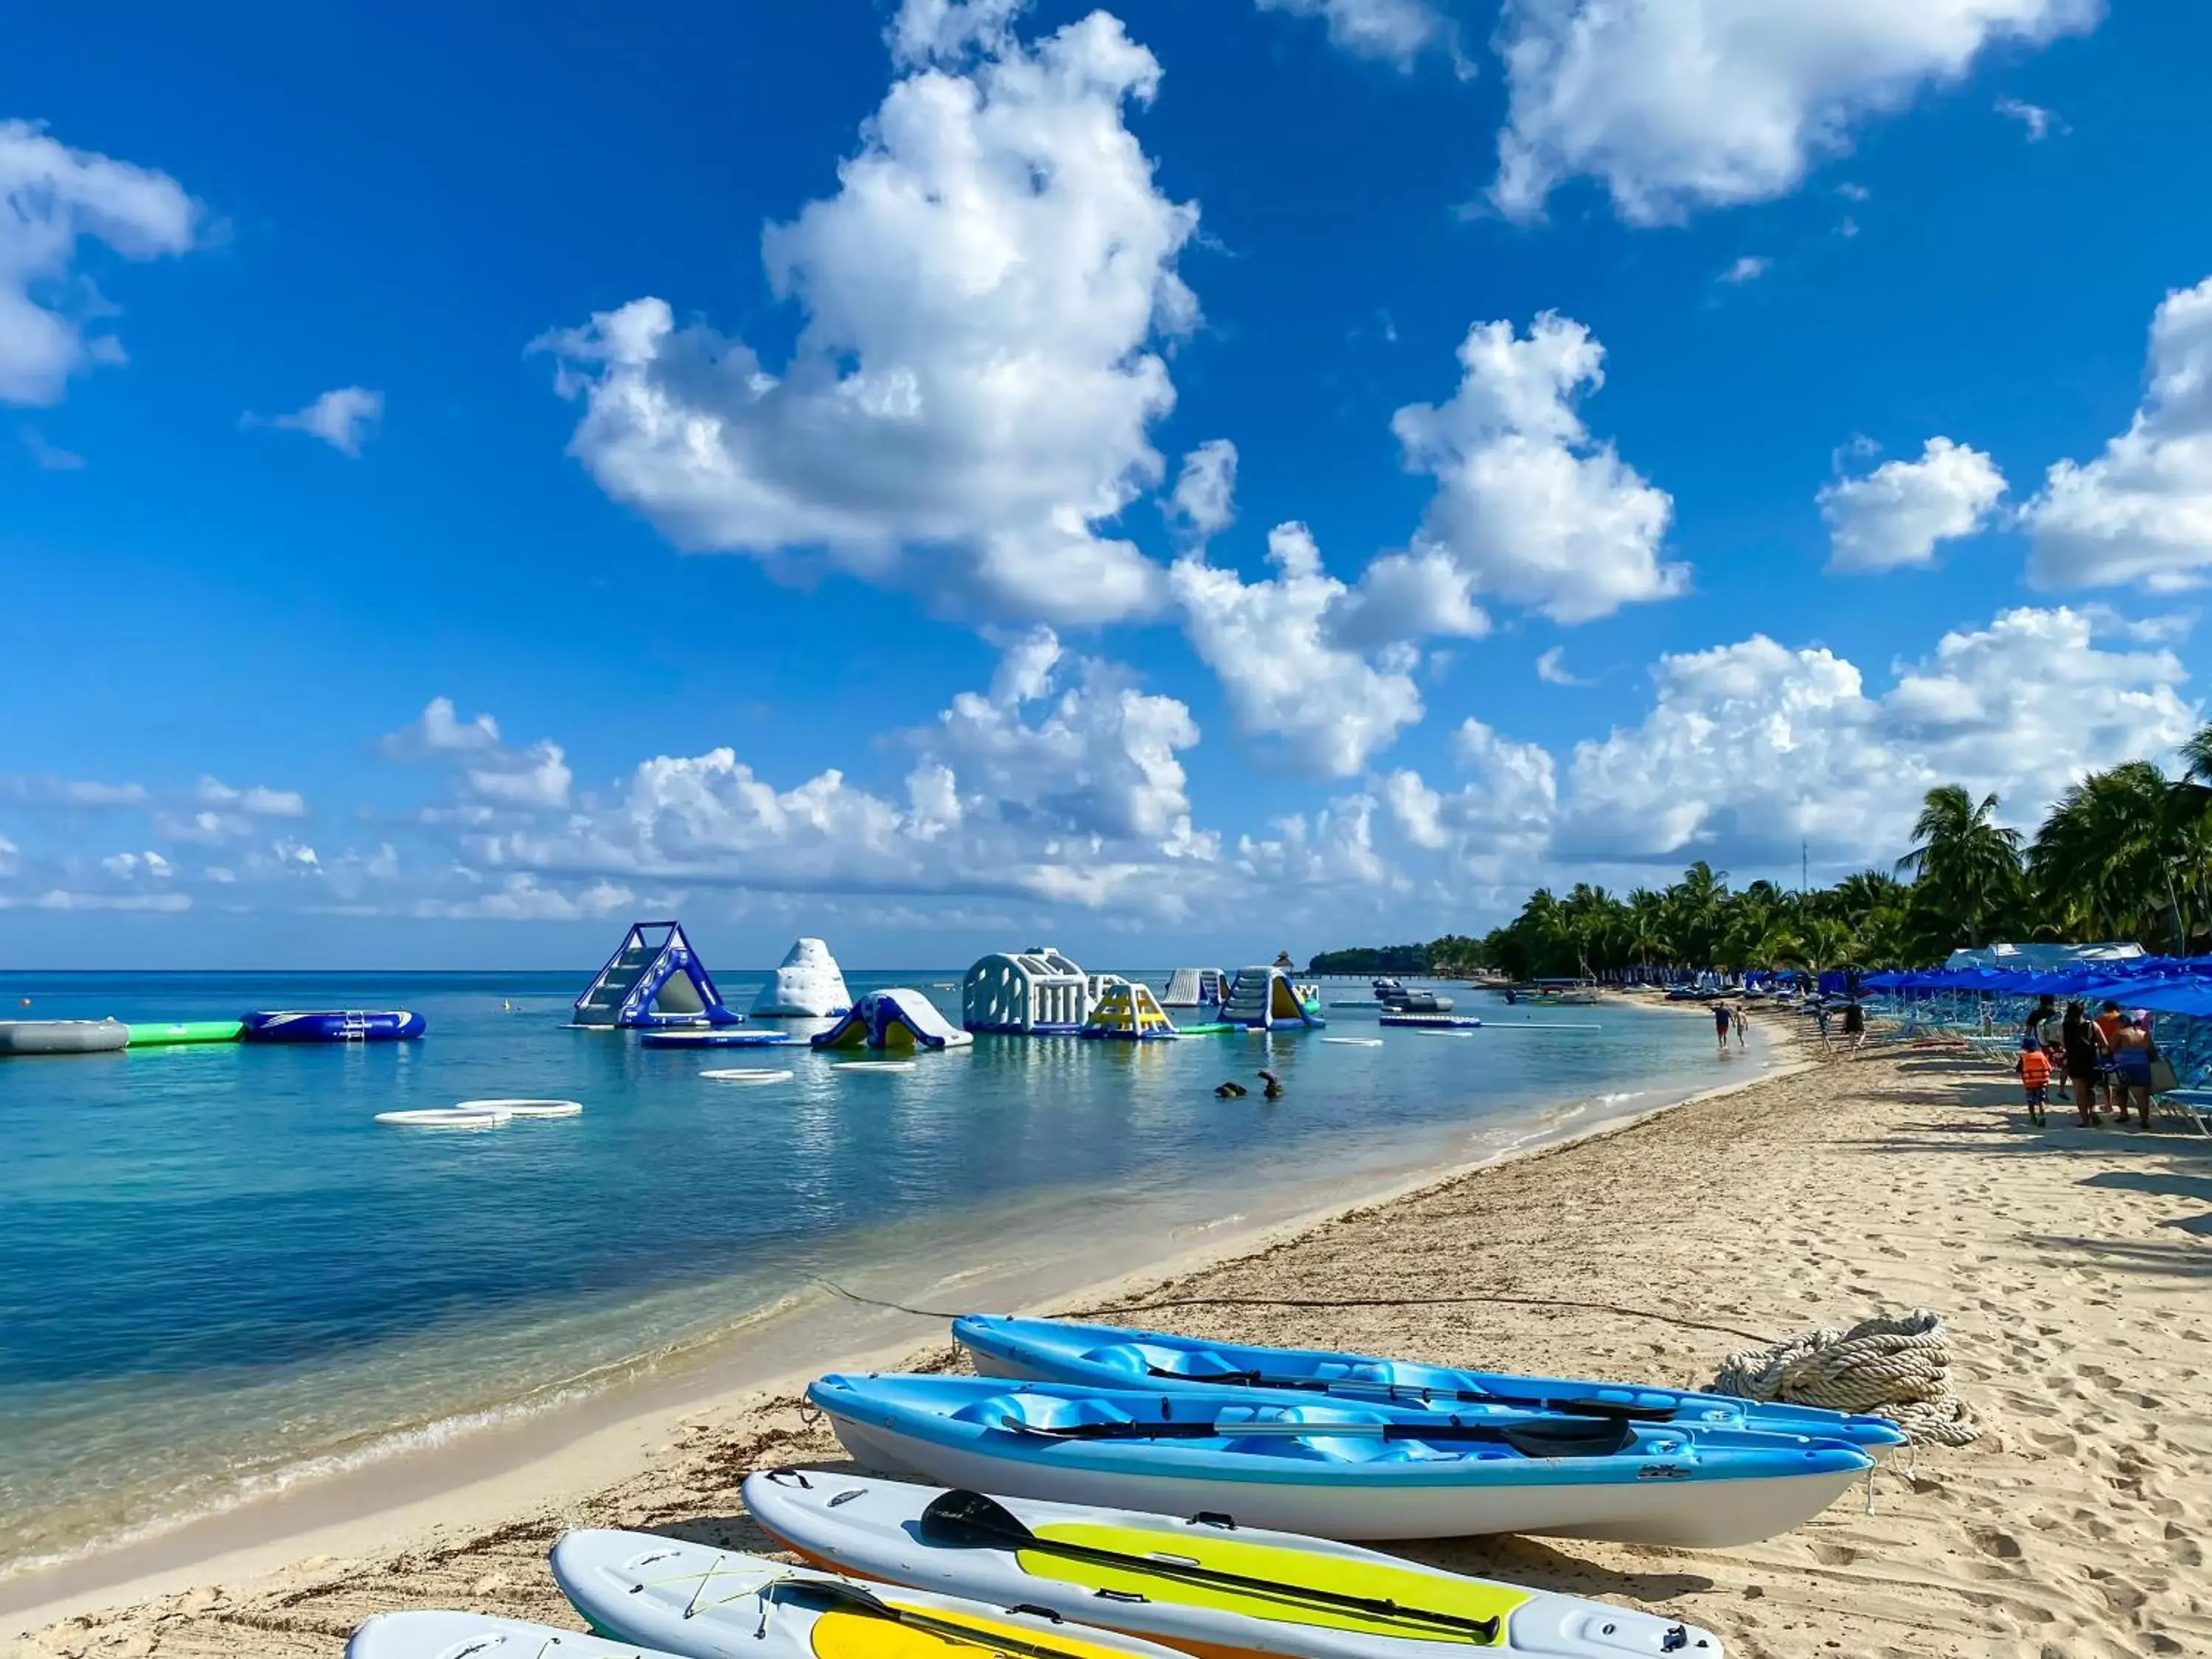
[(971, 399), (1204, 503), (1531, 507), (2142, 510), (1751, 748), (52, 197), (1896, 514), (1271, 645), (1398, 31), (490, 772), (341, 418), (1679, 104)]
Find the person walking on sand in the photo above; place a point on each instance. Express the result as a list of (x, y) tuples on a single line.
[(2034, 1068), (1855, 1024), (2108, 1023), (2045, 1009), (1722, 1014), (2081, 1049)]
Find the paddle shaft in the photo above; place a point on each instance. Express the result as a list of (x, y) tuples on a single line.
[(1390, 1391), (1201, 1429), (1011, 1534)]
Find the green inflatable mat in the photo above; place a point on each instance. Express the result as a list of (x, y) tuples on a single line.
[(185, 1030)]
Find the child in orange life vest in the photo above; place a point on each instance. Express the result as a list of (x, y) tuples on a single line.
[(2034, 1069)]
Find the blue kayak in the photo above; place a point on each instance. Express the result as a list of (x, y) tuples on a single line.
[(717, 1039), (1340, 1468), (333, 1026), (1112, 1357)]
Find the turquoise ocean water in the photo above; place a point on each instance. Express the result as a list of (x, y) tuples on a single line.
[(216, 1272)]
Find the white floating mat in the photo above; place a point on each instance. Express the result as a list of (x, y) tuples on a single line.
[(872, 1065), (525, 1108), (741, 1075), (1355, 1042), (448, 1117)]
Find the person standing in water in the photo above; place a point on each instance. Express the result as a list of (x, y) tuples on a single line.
[(1722, 1015)]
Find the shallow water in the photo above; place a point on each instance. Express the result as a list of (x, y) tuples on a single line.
[(217, 1274)]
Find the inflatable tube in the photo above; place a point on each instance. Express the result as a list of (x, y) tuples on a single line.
[(445, 1117), (716, 1039), (63, 1037), (333, 1026), (1432, 1022), (177, 1032), (535, 1109)]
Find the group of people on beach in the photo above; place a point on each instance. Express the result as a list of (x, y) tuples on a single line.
[(2111, 1057), (1729, 1017)]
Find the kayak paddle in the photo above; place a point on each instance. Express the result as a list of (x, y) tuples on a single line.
[(969, 1520)]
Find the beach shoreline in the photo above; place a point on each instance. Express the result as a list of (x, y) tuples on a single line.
[(559, 1454), (2070, 1264)]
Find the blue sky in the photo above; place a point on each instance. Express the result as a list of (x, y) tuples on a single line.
[(1181, 480)]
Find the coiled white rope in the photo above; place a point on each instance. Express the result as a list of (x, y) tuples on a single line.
[(1898, 1368)]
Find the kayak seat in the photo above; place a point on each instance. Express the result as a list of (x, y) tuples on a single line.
[(1039, 1410), (1148, 1359)]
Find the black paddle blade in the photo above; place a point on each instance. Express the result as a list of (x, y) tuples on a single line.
[(968, 1521)]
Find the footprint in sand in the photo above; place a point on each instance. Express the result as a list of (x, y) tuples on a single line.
[(1834, 1555), (1992, 1541), (2058, 1445)]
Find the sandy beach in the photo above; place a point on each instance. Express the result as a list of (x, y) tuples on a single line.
[(2072, 1265)]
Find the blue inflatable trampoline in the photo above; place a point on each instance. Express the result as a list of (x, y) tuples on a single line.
[(333, 1026)]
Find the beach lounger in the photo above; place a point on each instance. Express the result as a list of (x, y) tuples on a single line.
[(2192, 1106)]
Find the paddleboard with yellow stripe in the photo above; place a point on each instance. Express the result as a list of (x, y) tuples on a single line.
[(699, 1602), (1205, 1585)]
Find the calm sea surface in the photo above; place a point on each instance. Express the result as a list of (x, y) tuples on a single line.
[(217, 1273)]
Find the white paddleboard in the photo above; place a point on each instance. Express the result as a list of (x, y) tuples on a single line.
[(872, 1065), (1355, 1042), (740, 1074)]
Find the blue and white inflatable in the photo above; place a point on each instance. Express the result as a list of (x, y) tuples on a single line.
[(333, 1026)]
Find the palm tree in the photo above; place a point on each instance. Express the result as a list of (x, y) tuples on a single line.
[(1966, 863)]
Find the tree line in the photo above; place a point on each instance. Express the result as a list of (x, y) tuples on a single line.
[(2124, 855)]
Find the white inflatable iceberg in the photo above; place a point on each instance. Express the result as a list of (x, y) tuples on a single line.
[(808, 986)]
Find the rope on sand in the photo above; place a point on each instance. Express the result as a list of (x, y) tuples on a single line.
[(1894, 1368)]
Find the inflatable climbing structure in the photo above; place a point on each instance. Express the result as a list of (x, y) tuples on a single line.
[(654, 981)]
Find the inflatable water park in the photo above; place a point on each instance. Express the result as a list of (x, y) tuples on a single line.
[(808, 986), (893, 1019), (654, 979)]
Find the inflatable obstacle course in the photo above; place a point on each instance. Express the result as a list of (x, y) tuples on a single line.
[(656, 979), (897, 1019)]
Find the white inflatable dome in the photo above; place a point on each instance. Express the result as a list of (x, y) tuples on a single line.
[(808, 986)]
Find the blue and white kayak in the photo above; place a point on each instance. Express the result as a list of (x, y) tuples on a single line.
[(1211, 1585), (1113, 1357), (706, 1603), (1340, 1468), (718, 1039), (333, 1026)]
